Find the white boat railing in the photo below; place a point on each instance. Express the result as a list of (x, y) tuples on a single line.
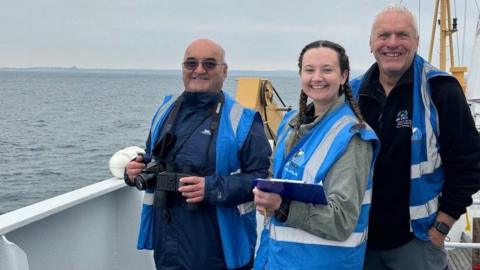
[(21, 217), (461, 245), (94, 227)]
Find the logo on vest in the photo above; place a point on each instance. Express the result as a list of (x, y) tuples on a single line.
[(298, 158), (206, 132), (295, 162), (402, 120), (416, 135)]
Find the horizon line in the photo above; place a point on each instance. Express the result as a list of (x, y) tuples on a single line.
[(74, 68)]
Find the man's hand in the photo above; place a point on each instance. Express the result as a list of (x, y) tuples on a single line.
[(135, 167), (193, 188), (436, 237), (266, 201)]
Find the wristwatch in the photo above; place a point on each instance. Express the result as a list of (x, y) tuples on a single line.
[(441, 227)]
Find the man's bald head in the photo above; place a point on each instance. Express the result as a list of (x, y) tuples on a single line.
[(204, 68)]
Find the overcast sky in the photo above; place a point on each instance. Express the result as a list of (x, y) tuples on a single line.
[(152, 34)]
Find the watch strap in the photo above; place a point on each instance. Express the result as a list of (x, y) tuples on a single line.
[(441, 227)]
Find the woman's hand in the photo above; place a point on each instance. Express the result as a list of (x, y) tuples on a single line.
[(266, 201)]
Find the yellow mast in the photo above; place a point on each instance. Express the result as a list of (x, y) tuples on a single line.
[(446, 32)]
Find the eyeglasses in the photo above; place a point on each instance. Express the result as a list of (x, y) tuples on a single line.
[(206, 65)]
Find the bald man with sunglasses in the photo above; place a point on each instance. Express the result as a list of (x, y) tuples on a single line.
[(208, 222)]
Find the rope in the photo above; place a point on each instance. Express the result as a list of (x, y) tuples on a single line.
[(262, 96), (263, 101), (278, 96)]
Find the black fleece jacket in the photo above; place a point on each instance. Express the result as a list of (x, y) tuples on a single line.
[(391, 119)]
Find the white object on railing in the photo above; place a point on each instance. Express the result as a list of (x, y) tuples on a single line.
[(120, 159)]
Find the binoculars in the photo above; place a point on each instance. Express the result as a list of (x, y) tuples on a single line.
[(165, 179)]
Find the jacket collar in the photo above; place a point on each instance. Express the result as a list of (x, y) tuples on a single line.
[(199, 99), (371, 84)]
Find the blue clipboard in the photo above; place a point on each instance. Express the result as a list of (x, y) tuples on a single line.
[(292, 189)]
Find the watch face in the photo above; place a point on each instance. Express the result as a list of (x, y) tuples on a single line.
[(442, 227)]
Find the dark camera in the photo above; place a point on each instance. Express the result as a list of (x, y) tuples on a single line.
[(165, 179), (148, 177), (188, 171), (168, 182)]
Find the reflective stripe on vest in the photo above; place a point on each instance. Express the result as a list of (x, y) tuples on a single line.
[(424, 210), (291, 234), (433, 157), (426, 159), (148, 198), (235, 115), (426, 167), (367, 197), (319, 154)]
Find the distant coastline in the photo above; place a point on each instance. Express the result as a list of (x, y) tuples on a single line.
[(91, 70), (235, 73)]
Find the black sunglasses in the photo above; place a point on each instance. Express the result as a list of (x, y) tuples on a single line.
[(206, 65)]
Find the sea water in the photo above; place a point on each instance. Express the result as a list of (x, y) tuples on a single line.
[(59, 127)]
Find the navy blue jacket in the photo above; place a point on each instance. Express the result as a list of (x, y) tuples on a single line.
[(190, 239)]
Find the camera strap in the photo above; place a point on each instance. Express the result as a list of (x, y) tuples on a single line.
[(215, 120), (173, 115), (168, 140)]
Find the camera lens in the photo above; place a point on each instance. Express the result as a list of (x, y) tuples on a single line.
[(144, 181)]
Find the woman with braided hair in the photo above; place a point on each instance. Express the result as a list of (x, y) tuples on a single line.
[(326, 143)]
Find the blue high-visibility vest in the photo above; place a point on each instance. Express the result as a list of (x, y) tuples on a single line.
[(237, 225), (426, 171), (284, 247)]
